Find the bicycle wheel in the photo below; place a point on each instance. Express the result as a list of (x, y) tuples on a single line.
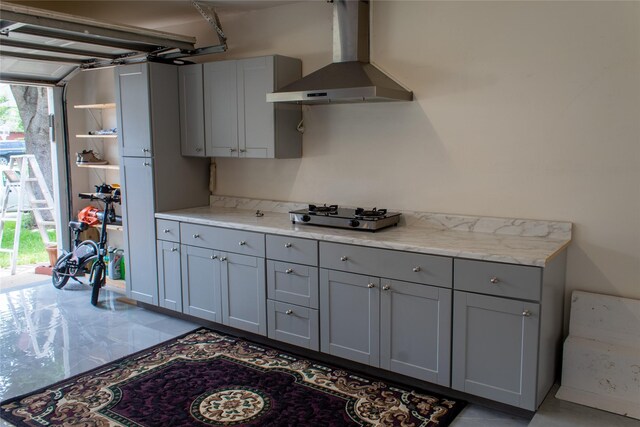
[(60, 271), (96, 281)]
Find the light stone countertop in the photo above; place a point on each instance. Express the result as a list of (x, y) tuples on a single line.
[(417, 232)]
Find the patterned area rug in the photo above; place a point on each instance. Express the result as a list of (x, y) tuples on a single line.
[(209, 379)]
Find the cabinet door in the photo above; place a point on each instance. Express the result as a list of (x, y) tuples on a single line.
[(495, 347), (190, 88), (221, 109), (244, 295), (169, 277), (138, 208), (350, 316), (293, 324), (201, 283), (133, 110), (415, 330), (256, 116)]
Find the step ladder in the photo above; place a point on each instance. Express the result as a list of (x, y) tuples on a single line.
[(24, 177)]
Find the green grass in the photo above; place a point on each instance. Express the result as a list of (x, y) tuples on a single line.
[(31, 249)]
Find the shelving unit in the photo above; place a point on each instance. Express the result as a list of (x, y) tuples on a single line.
[(85, 118)]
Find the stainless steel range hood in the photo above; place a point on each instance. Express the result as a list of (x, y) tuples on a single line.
[(350, 78)]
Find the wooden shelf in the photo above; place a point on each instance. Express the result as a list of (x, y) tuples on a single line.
[(109, 136), (112, 167), (96, 106), (109, 227), (118, 286)]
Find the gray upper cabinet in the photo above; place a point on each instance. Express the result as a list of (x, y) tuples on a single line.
[(134, 131), (221, 109), (495, 347), (191, 110), (223, 103)]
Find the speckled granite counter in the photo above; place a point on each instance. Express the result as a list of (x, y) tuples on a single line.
[(516, 241)]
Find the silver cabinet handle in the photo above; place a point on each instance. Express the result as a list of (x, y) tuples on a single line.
[(242, 243), (344, 258), (287, 245), (166, 230), (174, 249), (386, 287), (416, 269), (145, 150), (146, 164), (224, 258), (196, 236), (198, 150), (288, 312), (242, 150), (232, 150), (289, 270), (371, 285), (214, 256), (526, 313), (494, 280)]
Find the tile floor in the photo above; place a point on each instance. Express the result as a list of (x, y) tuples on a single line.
[(47, 335)]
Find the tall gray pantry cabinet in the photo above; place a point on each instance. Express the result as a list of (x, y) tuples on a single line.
[(154, 176)]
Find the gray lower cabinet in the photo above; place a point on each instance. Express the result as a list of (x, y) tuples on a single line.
[(137, 209), (293, 324), (243, 292), (201, 294), (415, 325), (495, 348), (169, 275), (350, 316)]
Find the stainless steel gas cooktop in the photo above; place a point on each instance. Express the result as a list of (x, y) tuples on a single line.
[(335, 216)]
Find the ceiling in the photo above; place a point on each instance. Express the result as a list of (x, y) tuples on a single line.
[(47, 42)]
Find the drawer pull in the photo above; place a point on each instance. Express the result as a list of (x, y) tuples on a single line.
[(214, 256), (287, 245), (288, 312), (242, 243), (371, 286), (344, 258), (289, 270), (386, 287), (146, 164), (196, 236), (174, 249), (494, 280), (416, 269), (526, 313), (223, 259), (166, 230)]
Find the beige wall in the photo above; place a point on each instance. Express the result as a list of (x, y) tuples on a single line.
[(523, 109)]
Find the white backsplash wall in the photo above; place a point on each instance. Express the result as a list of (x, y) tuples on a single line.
[(523, 109)]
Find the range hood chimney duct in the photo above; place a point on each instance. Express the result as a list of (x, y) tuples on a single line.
[(350, 78)]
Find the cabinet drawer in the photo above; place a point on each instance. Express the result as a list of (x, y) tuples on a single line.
[(292, 283), (168, 230), (406, 266), (492, 278), (292, 249), (293, 324), (237, 241)]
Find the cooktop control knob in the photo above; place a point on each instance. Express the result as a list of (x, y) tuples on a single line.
[(354, 223), (306, 218)]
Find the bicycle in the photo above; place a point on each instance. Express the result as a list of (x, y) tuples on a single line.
[(87, 255)]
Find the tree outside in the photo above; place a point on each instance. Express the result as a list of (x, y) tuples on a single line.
[(25, 109)]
